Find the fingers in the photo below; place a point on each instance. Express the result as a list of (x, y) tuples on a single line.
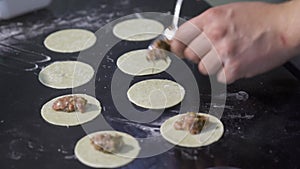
[(211, 63), (192, 43), (184, 35), (196, 50), (229, 74)]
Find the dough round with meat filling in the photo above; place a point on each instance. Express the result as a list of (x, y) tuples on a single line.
[(61, 118), (138, 29), (135, 63), (88, 155), (70, 40), (211, 132), (156, 93), (66, 74)]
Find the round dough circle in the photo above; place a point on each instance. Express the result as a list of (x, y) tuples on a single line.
[(66, 74), (156, 93), (212, 132), (70, 40), (88, 155), (138, 29), (60, 118), (135, 63)]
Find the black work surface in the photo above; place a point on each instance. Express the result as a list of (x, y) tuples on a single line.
[(261, 132)]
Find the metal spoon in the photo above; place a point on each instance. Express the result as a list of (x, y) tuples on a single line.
[(156, 50)]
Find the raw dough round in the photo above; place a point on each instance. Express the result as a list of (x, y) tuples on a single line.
[(138, 29), (70, 40), (156, 93), (60, 118), (88, 155), (135, 63), (66, 74), (212, 132)]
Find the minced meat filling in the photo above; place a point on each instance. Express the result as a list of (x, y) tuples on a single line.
[(158, 50), (70, 104), (107, 143), (191, 122)]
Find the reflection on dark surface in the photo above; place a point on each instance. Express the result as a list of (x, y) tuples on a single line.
[(261, 132)]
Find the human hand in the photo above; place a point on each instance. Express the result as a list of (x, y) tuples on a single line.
[(239, 40)]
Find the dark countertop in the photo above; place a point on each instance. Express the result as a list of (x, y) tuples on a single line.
[(261, 132)]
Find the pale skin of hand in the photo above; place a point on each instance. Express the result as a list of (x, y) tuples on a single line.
[(240, 40)]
